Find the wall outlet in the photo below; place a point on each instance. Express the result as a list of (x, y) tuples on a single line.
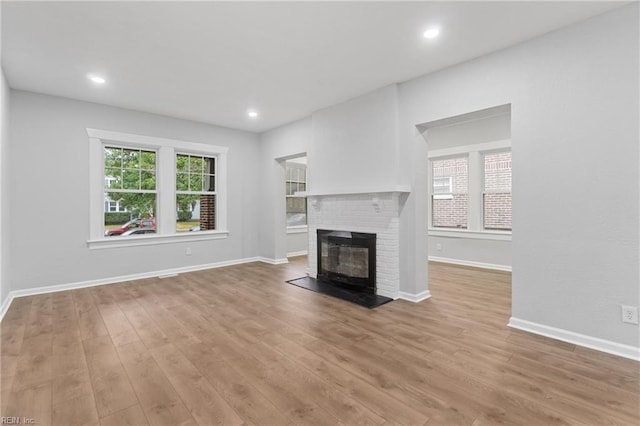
[(439, 247), (188, 251), (629, 314)]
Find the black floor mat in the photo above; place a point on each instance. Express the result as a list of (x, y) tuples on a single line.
[(367, 300)]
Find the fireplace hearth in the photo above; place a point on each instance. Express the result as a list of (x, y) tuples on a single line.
[(346, 268)]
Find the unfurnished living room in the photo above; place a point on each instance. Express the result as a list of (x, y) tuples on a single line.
[(306, 213)]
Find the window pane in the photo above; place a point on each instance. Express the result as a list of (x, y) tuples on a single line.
[(148, 180), (148, 160), (187, 212), (138, 206), (195, 182), (210, 166), (296, 219), (497, 211), (182, 163), (497, 172), (131, 179), (113, 178), (195, 212), (497, 188), (450, 212), (130, 159), (113, 157), (442, 185), (196, 165), (296, 207), (182, 182), (209, 183), (450, 175)]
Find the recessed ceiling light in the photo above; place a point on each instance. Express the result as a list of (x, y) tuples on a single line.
[(431, 33), (97, 79), (252, 114)]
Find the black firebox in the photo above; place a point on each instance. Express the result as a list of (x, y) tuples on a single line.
[(347, 259)]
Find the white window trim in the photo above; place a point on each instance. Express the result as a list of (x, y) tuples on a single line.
[(165, 187), (474, 154), (474, 235), (298, 229)]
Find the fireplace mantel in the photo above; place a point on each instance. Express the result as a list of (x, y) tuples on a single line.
[(358, 191)]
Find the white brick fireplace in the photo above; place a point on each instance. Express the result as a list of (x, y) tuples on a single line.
[(372, 212)]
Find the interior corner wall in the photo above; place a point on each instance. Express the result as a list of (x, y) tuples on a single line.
[(5, 227), (50, 193), (275, 146), (575, 130)]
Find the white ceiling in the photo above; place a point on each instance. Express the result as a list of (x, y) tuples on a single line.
[(211, 62)]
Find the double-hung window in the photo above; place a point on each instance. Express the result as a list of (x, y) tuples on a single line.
[(195, 192), (296, 181), (470, 190), (130, 180), (496, 197), (449, 197), (177, 189)]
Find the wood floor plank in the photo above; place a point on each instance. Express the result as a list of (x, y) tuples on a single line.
[(109, 381), (77, 411), (132, 416), (158, 399), (89, 318), (33, 402), (239, 345), (202, 400)]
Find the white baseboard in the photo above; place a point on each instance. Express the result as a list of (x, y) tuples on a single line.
[(470, 263), (5, 305), (272, 261), (415, 298), (121, 278), (598, 344), (297, 253)]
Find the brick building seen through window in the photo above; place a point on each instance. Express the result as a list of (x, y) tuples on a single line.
[(450, 192)]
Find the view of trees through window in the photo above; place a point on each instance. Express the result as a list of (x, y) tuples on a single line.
[(130, 190), (130, 197)]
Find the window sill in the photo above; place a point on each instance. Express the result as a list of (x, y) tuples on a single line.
[(297, 229), (148, 240), (476, 235)]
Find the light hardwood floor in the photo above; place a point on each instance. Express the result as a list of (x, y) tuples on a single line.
[(238, 345)]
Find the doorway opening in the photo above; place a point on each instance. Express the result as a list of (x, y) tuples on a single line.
[(470, 220)]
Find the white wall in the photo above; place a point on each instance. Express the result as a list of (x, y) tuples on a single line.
[(276, 146), (4, 189), (50, 191), (354, 144), (466, 249), (297, 242), (469, 132), (485, 253), (574, 106)]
